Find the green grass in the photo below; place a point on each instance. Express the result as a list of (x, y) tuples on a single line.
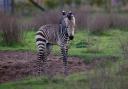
[(45, 83), (107, 75), (85, 45), (28, 43), (100, 77)]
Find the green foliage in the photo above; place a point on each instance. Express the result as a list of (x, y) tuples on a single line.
[(97, 2), (27, 44), (52, 3), (78, 2), (124, 2), (69, 2), (10, 31), (24, 8), (55, 3)]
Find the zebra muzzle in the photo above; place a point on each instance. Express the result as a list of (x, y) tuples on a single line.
[(71, 37)]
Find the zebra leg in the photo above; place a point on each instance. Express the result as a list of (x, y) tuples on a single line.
[(48, 48), (64, 56), (41, 58), (47, 52), (40, 61), (66, 53)]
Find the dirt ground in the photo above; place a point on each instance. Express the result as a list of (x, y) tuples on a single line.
[(15, 65)]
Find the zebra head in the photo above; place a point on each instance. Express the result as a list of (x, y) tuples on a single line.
[(68, 24), (71, 25)]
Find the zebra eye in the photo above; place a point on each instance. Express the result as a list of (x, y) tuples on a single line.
[(63, 12), (67, 27)]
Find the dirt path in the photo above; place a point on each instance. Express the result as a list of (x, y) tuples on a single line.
[(16, 65)]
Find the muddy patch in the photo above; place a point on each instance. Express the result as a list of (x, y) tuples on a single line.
[(16, 65)]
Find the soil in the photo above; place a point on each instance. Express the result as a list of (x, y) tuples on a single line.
[(16, 65)]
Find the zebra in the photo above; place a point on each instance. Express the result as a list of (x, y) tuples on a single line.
[(55, 34)]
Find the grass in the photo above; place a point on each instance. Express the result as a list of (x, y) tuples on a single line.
[(100, 77), (27, 45), (85, 45), (106, 75), (89, 46), (45, 83)]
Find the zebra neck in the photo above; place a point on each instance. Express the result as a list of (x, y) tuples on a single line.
[(63, 31)]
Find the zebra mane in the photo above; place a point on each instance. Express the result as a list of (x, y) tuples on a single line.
[(62, 22)]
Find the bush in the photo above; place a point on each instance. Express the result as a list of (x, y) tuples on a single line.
[(120, 21), (55, 3), (99, 23), (50, 17), (24, 8), (78, 2), (10, 31), (86, 17), (52, 3), (81, 17)]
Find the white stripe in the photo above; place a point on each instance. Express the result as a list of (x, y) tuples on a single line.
[(39, 46), (38, 36), (39, 32), (38, 42)]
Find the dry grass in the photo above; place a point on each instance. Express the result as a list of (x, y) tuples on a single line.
[(10, 30)]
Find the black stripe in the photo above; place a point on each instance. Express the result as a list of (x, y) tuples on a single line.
[(40, 44), (41, 47), (40, 39), (39, 33), (41, 50)]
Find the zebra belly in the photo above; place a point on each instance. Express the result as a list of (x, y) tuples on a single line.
[(52, 41)]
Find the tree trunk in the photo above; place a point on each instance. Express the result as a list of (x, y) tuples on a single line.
[(109, 6), (61, 4), (12, 6)]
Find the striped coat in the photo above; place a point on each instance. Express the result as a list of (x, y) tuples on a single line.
[(55, 34)]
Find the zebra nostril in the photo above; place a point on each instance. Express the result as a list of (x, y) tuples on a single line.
[(71, 37)]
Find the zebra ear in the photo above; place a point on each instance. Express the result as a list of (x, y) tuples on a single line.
[(69, 15), (63, 12)]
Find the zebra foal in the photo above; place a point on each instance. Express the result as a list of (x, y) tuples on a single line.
[(55, 34)]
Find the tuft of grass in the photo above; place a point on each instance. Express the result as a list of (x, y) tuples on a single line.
[(10, 32), (28, 43)]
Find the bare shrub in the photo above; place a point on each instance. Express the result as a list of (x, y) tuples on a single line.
[(49, 17), (103, 21), (120, 21), (86, 17), (11, 33), (52, 17), (99, 23), (82, 16), (24, 8)]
